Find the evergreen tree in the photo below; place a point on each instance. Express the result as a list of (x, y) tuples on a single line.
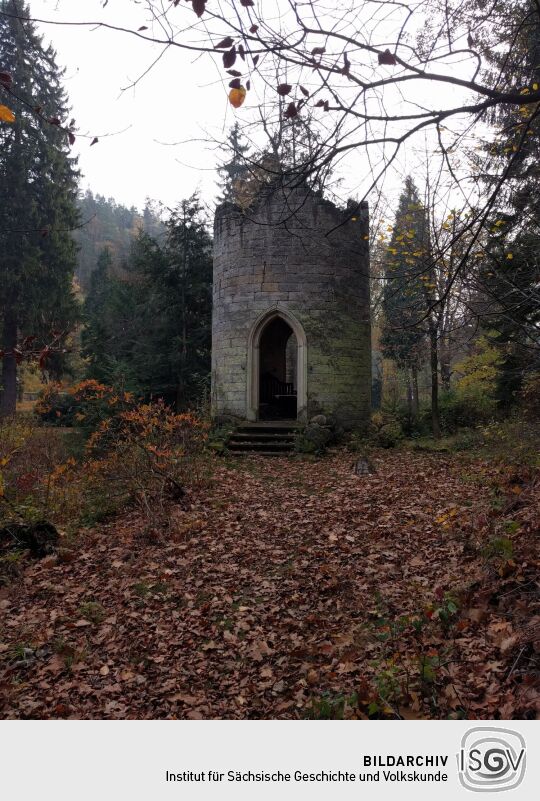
[(37, 195), (235, 171), (174, 356), (403, 336), (96, 332), (149, 330), (510, 272)]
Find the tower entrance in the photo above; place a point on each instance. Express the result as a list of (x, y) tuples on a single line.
[(278, 370)]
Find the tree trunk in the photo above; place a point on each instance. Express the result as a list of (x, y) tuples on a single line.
[(434, 363), (416, 401), (180, 388), (8, 403), (446, 370), (409, 398)]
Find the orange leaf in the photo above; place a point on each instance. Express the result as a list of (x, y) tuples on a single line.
[(237, 96), (6, 114)]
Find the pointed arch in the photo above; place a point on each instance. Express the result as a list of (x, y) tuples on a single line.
[(253, 361)]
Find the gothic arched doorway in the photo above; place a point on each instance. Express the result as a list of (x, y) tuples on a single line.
[(277, 368)]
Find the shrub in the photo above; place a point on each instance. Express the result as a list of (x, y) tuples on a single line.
[(85, 404), (136, 452), (479, 371), (29, 457), (146, 453), (55, 406), (218, 438), (465, 410), (530, 394), (385, 430)]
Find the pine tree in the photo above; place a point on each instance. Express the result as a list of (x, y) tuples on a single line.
[(96, 333), (148, 330), (403, 337), (180, 275), (235, 171), (510, 272), (37, 195)]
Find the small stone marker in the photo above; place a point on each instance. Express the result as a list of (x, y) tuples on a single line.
[(363, 467)]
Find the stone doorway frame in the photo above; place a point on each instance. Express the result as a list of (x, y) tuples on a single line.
[(253, 362)]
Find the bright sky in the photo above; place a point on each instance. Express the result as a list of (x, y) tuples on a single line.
[(180, 100), (183, 100)]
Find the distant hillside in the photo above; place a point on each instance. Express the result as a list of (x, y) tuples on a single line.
[(107, 223)]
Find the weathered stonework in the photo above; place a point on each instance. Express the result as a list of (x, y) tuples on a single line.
[(296, 253)]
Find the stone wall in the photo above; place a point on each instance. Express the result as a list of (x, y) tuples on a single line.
[(297, 252)]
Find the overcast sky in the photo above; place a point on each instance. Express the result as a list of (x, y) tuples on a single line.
[(182, 99)]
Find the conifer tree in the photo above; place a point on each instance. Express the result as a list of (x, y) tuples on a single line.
[(96, 332), (235, 171), (148, 330), (403, 337), (510, 271), (37, 194)]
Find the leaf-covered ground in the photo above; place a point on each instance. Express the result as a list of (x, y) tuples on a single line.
[(290, 589)]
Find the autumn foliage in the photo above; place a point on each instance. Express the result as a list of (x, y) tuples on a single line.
[(115, 452)]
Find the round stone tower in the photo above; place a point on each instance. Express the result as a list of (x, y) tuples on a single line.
[(291, 313)]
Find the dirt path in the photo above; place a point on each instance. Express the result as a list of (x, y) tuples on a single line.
[(287, 587)]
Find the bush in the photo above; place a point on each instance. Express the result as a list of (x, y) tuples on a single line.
[(85, 404), (219, 437), (55, 406), (143, 453), (147, 453), (29, 458), (530, 394), (465, 410), (385, 430)]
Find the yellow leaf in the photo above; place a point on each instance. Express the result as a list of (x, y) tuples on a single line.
[(6, 114), (237, 96), (509, 255)]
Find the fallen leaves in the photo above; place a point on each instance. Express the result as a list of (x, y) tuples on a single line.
[(285, 584)]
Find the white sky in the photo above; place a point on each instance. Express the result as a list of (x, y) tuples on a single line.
[(183, 99), (179, 100)]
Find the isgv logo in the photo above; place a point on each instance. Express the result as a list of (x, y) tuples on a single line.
[(491, 760)]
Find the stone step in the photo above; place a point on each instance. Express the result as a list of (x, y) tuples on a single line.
[(282, 454), (272, 437), (262, 436), (260, 428), (254, 446)]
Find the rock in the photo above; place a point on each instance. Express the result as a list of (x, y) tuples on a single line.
[(313, 439), (318, 420), (40, 538)]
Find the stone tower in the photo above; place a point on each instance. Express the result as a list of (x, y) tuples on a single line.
[(291, 314)]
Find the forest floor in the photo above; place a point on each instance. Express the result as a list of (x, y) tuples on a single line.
[(291, 588)]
